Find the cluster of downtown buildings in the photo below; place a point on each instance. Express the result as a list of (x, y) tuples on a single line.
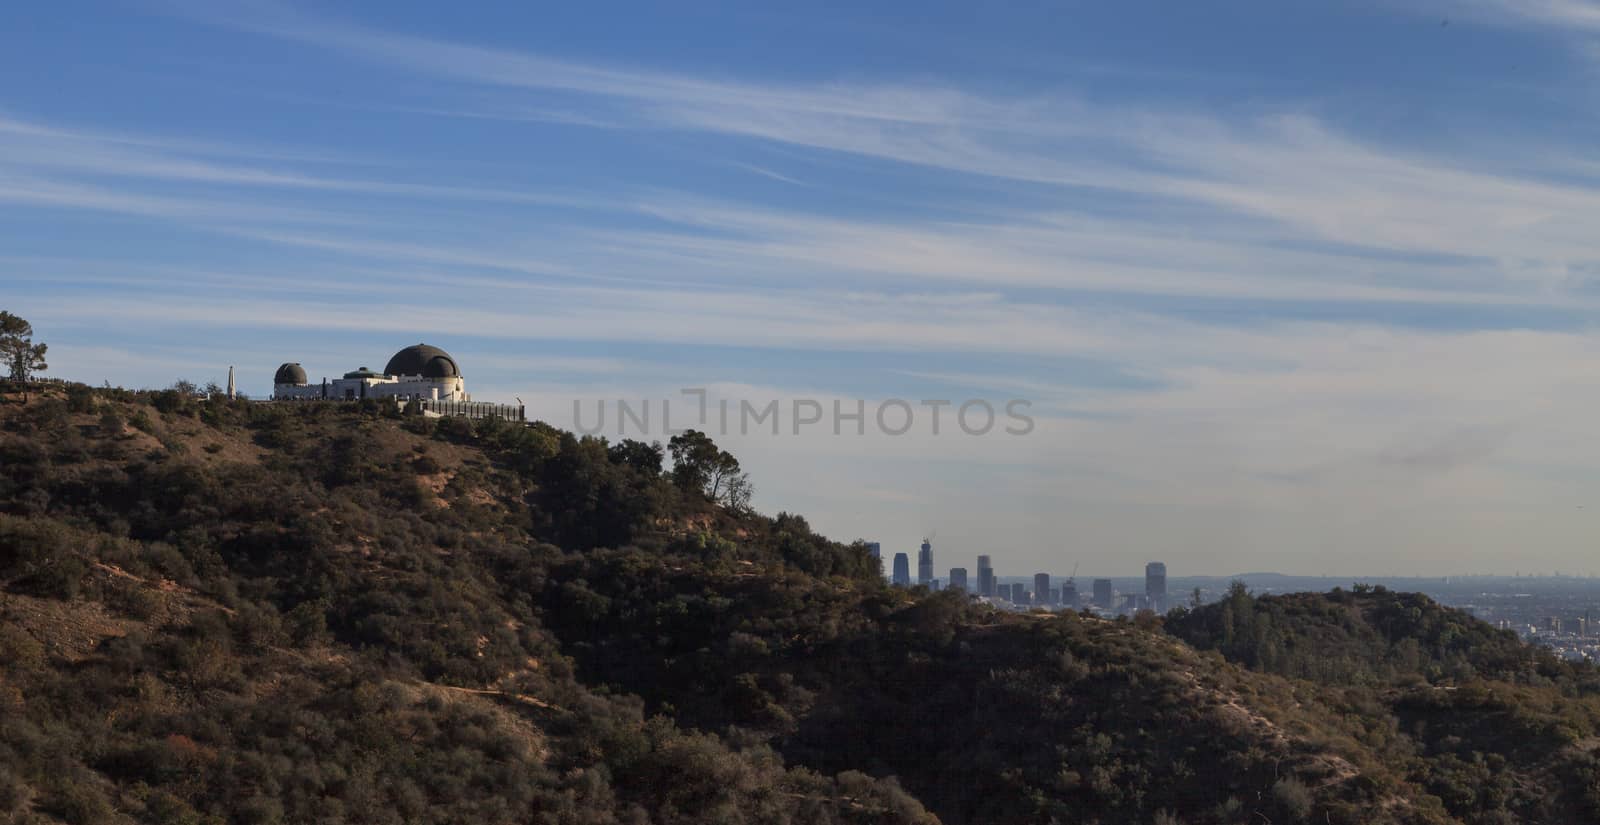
[(1103, 596)]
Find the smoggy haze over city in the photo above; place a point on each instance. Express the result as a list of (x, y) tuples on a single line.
[(1275, 302)]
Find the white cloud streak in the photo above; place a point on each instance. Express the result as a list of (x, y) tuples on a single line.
[(1286, 170), (30, 145)]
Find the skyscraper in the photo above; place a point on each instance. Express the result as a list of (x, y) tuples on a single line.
[(925, 563), (1069, 594), (1155, 586), (1104, 594), (902, 570), (985, 576), (875, 550), (1041, 588), (958, 578)]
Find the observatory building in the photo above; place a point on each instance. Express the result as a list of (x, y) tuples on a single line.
[(420, 374)]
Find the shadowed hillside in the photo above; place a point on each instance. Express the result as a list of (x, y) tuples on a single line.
[(220, 611), (1500, 731)]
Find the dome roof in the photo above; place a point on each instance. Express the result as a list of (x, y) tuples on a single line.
[(423, 360), (290, 374)]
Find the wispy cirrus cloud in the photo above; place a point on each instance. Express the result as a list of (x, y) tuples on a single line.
[(1574, 22), (35, 146), (201, 210), (1575, 14), (700, 237), (1249, 198), (1286, 169)]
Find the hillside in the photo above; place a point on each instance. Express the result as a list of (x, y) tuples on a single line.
[(1498, 730), (217, 611)]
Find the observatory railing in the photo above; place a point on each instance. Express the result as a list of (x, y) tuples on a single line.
[(474, 409)]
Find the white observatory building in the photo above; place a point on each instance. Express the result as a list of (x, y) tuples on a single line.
[(420, 374)]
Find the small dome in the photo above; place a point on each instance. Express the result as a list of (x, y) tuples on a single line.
[(290, 374), (423, 360)]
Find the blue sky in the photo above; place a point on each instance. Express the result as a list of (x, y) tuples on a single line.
[(1289, 287)]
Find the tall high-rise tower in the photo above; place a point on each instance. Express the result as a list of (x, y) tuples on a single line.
[(1104, 594), (1069, 594), (875, 550), (902, 570), (985, 576), (1041, 588), (925, 563), (1155, 586), (958, 578)]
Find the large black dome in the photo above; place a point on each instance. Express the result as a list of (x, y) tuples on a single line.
[(423, 360), (290, 374)]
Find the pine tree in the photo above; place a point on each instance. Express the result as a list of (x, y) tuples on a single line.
[(22, 356)]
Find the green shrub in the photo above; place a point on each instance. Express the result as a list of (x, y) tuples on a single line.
[(111, 424), (1293, 798)]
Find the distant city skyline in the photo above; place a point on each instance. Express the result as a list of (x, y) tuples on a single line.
[(1137, 568), (983, 562)]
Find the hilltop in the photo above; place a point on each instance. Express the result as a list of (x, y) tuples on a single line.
[(219, 611)]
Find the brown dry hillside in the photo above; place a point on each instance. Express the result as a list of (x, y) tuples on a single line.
[(216, 611), (220, 612)]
